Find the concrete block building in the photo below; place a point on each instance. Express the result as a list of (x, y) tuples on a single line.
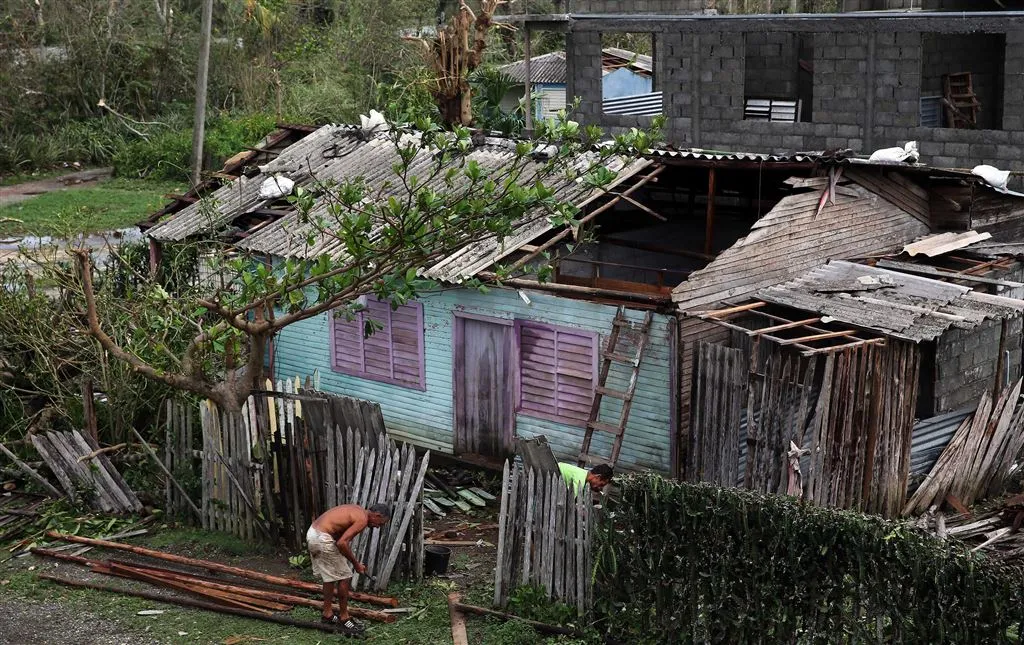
[(871, 76)]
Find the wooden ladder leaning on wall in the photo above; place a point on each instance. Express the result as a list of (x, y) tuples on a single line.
[(609, 356)]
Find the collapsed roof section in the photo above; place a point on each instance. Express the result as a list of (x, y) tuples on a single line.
[(892, 303), (337, 154)]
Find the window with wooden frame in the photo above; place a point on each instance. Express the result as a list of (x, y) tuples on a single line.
[(557, 372), (392, 354)]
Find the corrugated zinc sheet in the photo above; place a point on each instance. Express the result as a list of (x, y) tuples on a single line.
[(345, 156), (546, 68), (214, 213), (630, 58), (896, 304), (640, 104), (930, 437), (792, 239), (426, 417)]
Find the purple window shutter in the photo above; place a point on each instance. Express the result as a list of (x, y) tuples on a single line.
[(557, 370), (392, 354)]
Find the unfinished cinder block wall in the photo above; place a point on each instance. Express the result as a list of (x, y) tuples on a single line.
[(981, 55), (966, 361), (867, 84)]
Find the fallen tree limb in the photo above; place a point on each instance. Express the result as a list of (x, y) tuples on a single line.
[(151, 453), (102, 451), (188, 602), (222, 568), (543, 628)]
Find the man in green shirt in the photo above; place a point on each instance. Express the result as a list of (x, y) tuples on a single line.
[(597, 478)]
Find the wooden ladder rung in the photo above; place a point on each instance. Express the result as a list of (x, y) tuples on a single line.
[(615, 394), (604, 427), (621, 358), (622, 322), (585, 458)]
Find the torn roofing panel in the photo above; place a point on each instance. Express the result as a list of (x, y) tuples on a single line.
[(792, 238), (907, 307), (546, 68), (215, 212), (336, 154), (934, 245)]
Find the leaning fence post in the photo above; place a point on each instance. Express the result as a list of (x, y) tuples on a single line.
[(502, 522), (153, 455)]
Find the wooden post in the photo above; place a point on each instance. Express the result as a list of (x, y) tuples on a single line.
[(527, 53), (199, 125), (1001, 364), (155, 256), (89, 410), (709, 221)]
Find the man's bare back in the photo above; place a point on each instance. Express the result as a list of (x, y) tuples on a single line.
[(341, 520)]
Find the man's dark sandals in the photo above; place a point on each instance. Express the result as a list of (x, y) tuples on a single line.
[(350, 627)]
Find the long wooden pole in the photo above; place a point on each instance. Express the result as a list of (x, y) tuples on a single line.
[(25, 468), (202, 74), (188, 602), (709, 223), (212, 583), (222, 568), (152, 453)]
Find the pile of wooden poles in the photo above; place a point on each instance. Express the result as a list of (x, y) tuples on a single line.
[(265, 600), (978, 460)]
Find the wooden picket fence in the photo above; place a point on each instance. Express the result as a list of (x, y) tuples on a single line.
[(291, 454), (545, 538), (180, 456)]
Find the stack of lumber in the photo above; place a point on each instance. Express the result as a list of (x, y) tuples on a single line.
[(242, 592), (440, 498), (979, 458), (78, 463)]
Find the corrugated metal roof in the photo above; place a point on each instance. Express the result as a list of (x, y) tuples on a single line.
[(546, 68), (930, 437), (216, 211), (638, 104), (337, 154), (907, 306), (933, 245), (718, 155), (997, 249), (640, 61)]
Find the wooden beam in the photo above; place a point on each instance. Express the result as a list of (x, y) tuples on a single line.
[(792, 325), (458, 619), (807, 339), (734, 310), (645, 209), (709, 218)]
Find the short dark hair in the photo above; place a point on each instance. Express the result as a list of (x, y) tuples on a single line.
[(381, 509), (604, 471)]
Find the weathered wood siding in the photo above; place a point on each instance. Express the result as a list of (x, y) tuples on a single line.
[(426, 417)]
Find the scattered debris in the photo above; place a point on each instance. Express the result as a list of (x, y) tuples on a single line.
[(995, 531), (442, 497), (150, 612), (456, 606)]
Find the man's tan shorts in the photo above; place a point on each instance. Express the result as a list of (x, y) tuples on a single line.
[(328, 563)]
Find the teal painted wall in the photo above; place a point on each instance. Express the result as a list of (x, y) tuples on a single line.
[(425, 418)]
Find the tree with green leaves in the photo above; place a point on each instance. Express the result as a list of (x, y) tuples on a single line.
[(437, 201)]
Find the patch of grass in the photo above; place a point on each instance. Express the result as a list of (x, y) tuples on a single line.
[(113, 204), (205, 544)]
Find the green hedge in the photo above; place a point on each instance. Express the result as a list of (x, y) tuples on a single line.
[(692, 563)]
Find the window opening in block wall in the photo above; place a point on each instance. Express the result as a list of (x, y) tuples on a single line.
[(962, 81), (547, 89), (629, 78), (779, 77)]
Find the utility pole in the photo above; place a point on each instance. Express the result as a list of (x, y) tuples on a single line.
[(199, 127)]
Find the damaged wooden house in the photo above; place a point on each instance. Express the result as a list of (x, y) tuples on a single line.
[(751, 319)]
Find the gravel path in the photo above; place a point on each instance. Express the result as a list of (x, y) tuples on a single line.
[(30, 622)]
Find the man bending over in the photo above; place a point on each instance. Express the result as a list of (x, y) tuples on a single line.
[(596, 478), (329, 540)]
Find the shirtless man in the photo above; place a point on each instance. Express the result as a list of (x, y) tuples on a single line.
[(329, 540)]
